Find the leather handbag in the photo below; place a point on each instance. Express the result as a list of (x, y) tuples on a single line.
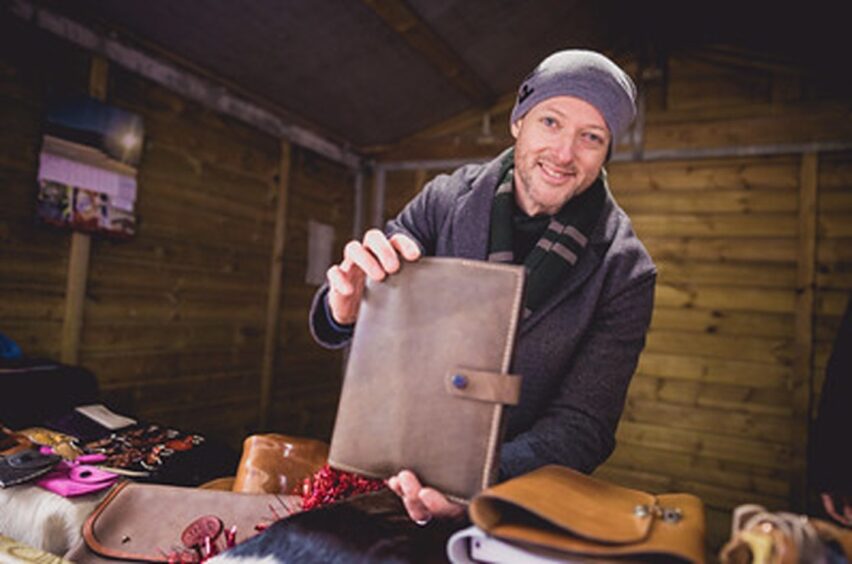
[(427, 375), (573, 515), (151, 522), (274, 463)]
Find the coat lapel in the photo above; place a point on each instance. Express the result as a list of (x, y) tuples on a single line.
[(472, 216)]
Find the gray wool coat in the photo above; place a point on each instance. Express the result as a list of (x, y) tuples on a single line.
[(576, 353)]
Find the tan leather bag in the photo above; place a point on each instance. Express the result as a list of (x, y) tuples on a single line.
[(145, 522), (274, 463), (427, 379), (561, 509)]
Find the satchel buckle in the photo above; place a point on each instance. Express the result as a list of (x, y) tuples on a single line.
[(667, 514)]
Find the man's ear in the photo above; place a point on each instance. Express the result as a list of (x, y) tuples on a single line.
[(516, 127)]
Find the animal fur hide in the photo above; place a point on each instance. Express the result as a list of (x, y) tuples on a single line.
[(43, 519)]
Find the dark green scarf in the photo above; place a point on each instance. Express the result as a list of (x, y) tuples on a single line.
[(562, 244)]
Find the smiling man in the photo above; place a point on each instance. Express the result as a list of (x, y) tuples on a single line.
[(543, 203)]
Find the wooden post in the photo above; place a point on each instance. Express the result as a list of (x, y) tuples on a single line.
[(419, 181), (804, 330), (276, 270), (378, 218), (358, 197), (78, 259)]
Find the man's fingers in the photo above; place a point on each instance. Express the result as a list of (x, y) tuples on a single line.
[(407, 486), (405, 246), (409, 483), (360, 257), (393, 484), (338, 281), (376, 242), (438, 505), (416, 510)]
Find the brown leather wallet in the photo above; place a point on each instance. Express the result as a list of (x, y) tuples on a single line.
[(427, 379), (560, 509)]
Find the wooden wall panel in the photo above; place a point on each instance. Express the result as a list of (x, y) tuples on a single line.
[(713, 382), (33, 261), (174, 319), (193, 283), (834, 257), (308, 379)]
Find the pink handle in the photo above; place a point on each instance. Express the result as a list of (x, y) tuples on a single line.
[(90, 474)]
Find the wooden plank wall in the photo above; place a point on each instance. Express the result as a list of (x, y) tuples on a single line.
[(718, 406), (308, 386), (33, 262), (174, 320)]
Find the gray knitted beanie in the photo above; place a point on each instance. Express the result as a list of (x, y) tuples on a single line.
[(583, 74)]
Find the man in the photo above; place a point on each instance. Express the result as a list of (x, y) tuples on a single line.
[(590, 283)]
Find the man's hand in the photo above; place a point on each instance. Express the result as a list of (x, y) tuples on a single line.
[(842, 514), (376, 257), (423, 504)]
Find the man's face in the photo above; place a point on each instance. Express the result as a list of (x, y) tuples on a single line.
[(561, 145)]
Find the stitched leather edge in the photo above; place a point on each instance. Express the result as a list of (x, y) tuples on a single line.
[(92, 541), (489, 473)]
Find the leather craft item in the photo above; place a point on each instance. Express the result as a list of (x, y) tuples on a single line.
[(151, 522), (25, 465), (766, 537), (64, 445), (79, 477), (273, 463), (560, 509), (12, 442), (427, 376)]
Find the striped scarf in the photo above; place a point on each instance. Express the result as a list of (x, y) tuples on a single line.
[(559, 248)]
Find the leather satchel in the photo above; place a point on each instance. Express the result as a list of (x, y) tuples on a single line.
[(568, 513), (427, 375), (151, 523)]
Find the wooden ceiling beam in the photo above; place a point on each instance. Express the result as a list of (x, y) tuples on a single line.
[(424, 41)]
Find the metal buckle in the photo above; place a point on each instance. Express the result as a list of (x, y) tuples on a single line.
[(667, 514)]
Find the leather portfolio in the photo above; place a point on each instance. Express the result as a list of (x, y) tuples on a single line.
[(156, 523), (427, 375), (565, 512)]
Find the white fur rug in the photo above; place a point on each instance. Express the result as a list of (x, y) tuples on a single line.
[(43, 519), (225, 559)]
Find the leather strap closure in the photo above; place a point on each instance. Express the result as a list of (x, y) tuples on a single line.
[(481, 385)]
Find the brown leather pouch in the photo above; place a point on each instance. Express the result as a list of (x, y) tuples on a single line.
[(147, 522), (427, 379), (560, 509), (273, 463)]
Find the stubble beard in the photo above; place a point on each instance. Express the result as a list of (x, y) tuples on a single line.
[(536, 190)]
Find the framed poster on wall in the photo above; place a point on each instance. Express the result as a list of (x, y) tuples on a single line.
[(87, 175)]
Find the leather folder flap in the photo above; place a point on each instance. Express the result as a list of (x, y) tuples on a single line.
[(561, 509), (145, 522), (571, 501), (483, 385)]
